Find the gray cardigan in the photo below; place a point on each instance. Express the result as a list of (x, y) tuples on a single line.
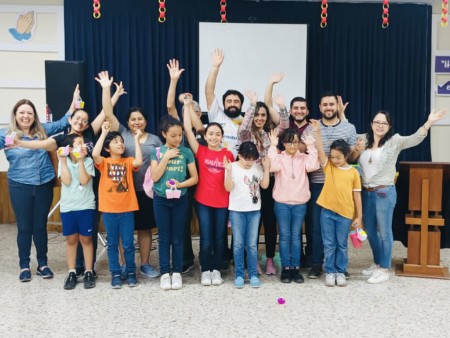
[(386, 166)]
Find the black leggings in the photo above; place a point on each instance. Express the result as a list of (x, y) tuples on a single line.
[(268, 219)]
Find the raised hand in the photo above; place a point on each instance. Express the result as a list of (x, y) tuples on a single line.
[(174, 69), (315, 124), (273, 135), (253, 97), (277, 77), (226, 163), (341, 107), (279, 101), (106, 126), (436, 116), (76, 93), (308, 140), (187, 98), (217, 57), (360, 144), (104, 79), (120, 90)]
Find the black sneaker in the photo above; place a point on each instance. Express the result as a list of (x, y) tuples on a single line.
[(315, 272), (71, 281), (79, 272), (89, 280), (286, 275), (305, 262), (132, 280), (347, 275), (296, 275)]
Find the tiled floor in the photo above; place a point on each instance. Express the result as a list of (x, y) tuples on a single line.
[(407, 307)]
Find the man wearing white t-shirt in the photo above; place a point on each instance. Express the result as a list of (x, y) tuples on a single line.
[(230, 117)]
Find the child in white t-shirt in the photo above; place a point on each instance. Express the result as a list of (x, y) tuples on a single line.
[(77, 206), (243, 180)]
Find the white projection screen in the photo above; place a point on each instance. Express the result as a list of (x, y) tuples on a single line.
[(253, 52)]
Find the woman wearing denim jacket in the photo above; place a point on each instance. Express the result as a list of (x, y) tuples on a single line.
[(30, 182), (377, 163)]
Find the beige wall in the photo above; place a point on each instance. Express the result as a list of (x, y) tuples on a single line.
[(440, 134), (22, 66)]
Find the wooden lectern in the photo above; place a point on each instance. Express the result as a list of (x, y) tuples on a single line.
[(424, 217)]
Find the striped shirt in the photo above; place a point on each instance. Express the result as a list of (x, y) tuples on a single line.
[(342, 130)]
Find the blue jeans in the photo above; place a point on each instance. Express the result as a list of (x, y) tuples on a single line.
[(170, 216), (213, 231), (335, 229), (314, 247), (31, 204), (290, 220), (245, 226), (378, 209), (120, 225)]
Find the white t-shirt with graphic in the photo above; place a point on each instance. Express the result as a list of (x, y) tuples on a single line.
[(245, 195), (230, 126)]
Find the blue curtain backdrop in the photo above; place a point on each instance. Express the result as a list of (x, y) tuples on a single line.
[(371, 67)]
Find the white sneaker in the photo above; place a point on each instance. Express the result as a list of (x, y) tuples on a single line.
[(177, 282), (340, 279), (330, 279), (216, 278), (370, 270), (379, 276), (206, 278), (165, 282)]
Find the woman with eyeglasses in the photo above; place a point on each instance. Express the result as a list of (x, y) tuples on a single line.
[(377, 160)]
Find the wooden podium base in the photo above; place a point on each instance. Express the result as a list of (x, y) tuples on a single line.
[(427, 271)]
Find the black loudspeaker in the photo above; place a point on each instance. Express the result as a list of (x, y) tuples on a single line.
[(61, 77)]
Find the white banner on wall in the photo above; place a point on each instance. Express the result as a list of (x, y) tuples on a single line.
[(253, 52)]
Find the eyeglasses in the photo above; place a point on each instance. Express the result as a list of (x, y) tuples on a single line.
[(380, 123), (79, 119), (292, 144)]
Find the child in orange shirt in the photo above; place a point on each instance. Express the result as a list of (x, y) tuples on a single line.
[(117, 200)]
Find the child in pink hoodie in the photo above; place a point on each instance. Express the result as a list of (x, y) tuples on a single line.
[(291, 192)]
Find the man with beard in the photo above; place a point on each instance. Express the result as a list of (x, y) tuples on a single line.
[(299, 112), (230, 117), (332, 128)]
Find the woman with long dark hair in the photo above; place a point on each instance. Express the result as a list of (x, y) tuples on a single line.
[(377, 163)]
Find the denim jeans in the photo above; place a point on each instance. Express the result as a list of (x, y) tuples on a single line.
[(120, 225), (213, 231), (314, 248), (268, 218), (335, 229), (245, 226), (290, 220), (31, 204), (378, 209), (170, 216)]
